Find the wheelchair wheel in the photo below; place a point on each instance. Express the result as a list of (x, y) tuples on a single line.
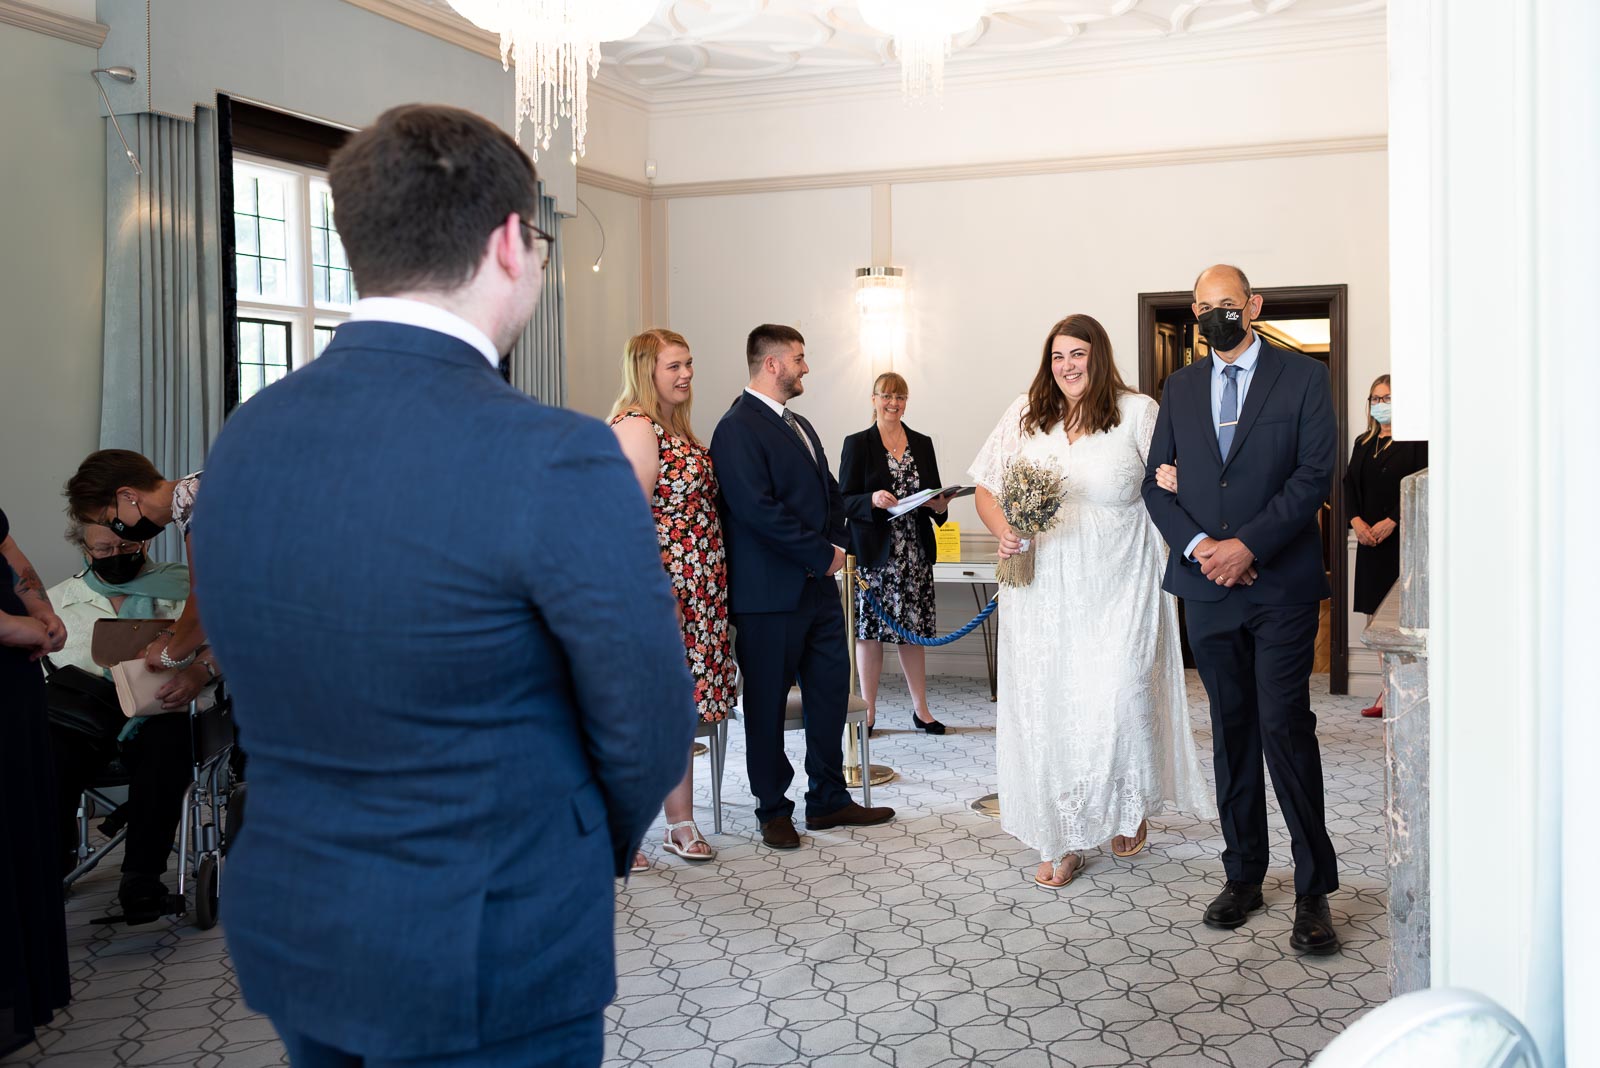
[(205, 893)]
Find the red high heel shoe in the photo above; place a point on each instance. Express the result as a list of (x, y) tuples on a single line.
[(1373, 711)]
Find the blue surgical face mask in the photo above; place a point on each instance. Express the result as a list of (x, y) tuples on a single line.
[(1380, 412)]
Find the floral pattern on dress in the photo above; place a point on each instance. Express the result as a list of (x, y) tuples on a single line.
[(695, 558), (903, 587)]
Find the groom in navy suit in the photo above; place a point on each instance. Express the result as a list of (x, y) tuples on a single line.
[(451, 644), (783, 520), (1254, 428)]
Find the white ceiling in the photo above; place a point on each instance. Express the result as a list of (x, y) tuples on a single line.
[(702, 44)]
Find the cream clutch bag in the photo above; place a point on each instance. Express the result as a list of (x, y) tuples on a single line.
[(137, 687)]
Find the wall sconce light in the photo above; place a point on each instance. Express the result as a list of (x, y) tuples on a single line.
[(596, 267), (881, 302)]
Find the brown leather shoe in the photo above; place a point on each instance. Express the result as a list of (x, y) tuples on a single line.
[(852, 815), (779, 833)]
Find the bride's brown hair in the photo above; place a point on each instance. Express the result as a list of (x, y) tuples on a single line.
[(1097, 410)]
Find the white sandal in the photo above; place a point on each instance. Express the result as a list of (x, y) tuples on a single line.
[(671, 844), (640, 863), (1056, 871)]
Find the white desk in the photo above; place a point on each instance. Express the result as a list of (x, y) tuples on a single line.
[(976, 569)]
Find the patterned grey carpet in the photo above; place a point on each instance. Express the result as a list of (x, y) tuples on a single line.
[(921, 944)]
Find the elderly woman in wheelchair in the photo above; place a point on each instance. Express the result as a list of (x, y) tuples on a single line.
[(156, 753)]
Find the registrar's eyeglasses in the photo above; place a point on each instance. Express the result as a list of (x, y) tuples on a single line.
[(540, 235), (901, 397)]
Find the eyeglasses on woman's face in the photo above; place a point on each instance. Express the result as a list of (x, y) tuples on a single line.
[(1379, 398), (895, 398), (546, 242), (106, 550)]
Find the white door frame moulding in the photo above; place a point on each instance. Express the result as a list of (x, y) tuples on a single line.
[(52, 23), (956, 172)]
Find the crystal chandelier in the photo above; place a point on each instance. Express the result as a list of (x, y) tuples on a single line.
[(556, 46), (922, 32)]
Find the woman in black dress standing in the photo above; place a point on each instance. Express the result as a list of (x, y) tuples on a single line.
[(877, 467), (1372, 490), (33, 932)]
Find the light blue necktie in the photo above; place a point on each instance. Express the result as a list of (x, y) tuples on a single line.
[(1229, 420)]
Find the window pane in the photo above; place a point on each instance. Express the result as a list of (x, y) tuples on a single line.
[(272, 199), (341, 287), (249, 275), (250, 380), (319, 246), (244, 194), (275, 373), (274, 279), (321, 335), (272, 239), (249, 341), (245, 234), (277, 344), (338, 259)]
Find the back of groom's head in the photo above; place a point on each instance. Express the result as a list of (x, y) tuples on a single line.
[(417, 194)]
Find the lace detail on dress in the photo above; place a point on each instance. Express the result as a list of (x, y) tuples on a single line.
[(1093, 731)]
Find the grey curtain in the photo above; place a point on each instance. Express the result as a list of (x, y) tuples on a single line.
[(162, 391), (539, 360)]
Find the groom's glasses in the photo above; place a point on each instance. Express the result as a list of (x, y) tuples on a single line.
[(539, 235)]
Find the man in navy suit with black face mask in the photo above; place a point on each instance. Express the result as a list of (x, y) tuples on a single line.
[(1252, 429)]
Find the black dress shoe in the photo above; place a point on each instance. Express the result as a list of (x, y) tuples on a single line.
[(935, 727), (852, 815), (779, 833), (1234, 905), (143, 897), (1313, 926)]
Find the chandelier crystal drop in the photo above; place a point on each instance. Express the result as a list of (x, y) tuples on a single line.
[(923, 31), (556, 47)]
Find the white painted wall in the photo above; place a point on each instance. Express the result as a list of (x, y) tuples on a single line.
[(52, 207), (740, 261), (604, 309), (1334, 92)]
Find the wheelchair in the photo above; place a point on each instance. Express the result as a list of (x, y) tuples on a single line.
[(213, 812)]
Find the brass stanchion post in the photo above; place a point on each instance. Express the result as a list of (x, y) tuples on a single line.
[(880, 773)]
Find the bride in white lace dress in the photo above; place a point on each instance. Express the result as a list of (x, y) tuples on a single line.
[(1093, 731)]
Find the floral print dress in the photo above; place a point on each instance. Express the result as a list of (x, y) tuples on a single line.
[(692, 551), (903, 586)]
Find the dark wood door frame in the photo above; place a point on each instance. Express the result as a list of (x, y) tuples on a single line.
[(1292, 302)]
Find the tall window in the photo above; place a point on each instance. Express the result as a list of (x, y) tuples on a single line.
[(294, 283)]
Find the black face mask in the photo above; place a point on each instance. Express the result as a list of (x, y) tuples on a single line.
[(119, 569), (1224, 328), (145, 529)]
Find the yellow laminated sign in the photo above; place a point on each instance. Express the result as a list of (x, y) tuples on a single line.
[(949, 543)]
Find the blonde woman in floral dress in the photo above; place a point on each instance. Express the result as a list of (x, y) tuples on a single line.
[(651, 421)]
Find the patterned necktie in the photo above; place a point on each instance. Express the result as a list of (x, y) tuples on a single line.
[(794, 424), (1229, 420)]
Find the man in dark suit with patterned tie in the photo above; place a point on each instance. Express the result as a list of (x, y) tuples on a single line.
[(452, 647), (1252, 430), (783, 520)]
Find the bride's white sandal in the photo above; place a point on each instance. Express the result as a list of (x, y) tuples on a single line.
[(671, 844), (1058, 868)]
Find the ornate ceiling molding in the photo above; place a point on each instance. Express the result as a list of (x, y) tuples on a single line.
[(732, 53), (52, 23), (960, 172)]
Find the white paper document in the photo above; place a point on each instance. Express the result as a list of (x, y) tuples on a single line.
[(921, 497)]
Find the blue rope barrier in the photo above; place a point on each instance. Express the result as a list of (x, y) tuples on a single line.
[(917, 639)]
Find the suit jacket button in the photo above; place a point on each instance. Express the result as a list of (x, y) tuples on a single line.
[(1224, 526), (1223, 483)]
